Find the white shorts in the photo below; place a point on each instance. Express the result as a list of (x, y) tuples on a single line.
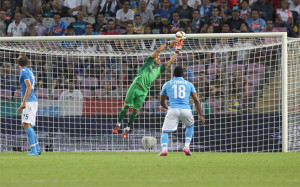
[(174, 115), (29, 113)]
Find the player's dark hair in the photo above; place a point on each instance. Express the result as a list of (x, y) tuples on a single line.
[(178, 71), (23, 61)]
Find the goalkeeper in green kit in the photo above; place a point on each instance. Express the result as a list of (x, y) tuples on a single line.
[(138, 90)]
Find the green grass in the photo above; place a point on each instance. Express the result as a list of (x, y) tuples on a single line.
[(147, 169)]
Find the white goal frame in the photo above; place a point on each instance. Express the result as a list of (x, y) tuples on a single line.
[(284, 57)]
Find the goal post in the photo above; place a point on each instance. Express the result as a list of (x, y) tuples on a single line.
[(249, 96)]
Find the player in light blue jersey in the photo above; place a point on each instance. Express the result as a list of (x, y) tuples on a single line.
[(29, 104), (178, 90)]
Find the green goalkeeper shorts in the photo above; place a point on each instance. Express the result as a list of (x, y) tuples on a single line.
[(135, 97)]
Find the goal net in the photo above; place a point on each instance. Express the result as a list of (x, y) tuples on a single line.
[(81, 83)]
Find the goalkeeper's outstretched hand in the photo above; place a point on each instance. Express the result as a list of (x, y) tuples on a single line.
[(179, 46), (171, 43)]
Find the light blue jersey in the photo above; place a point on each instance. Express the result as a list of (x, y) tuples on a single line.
[(26, 74), (178, 90)]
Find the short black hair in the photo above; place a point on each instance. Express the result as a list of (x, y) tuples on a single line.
[(178, 71), (23, 61)]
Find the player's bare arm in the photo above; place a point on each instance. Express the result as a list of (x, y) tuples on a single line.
[(27, 93), (161, 48), (163, 99), (198, 106), (173, 58)]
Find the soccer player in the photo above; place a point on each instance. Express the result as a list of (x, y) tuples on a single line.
[(138, 90), (29, 104), (178, 90)]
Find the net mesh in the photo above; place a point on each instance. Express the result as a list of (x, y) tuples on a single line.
[(81, 85)]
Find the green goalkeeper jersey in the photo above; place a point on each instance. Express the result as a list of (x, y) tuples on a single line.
[(148, 73)]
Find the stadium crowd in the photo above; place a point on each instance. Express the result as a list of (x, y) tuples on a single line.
[(115, 17)]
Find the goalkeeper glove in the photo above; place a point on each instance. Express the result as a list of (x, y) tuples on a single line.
[(170, 43), (179, 46)]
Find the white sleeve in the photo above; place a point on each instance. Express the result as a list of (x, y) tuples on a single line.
[(118, 15), (131, 17), (84, 3), (9, 28)]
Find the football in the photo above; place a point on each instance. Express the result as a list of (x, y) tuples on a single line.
[(180, 35)]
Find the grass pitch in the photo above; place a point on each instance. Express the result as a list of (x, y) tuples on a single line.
[(147, 169)]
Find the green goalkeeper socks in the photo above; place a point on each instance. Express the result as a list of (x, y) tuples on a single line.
[(122, 114), (131, 119)]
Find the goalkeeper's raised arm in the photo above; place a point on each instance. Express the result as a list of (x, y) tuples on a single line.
[(161, 48)]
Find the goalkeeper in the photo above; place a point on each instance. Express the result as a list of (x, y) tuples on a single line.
[(138, 90)]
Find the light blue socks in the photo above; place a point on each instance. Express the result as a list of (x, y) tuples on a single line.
[(32, 139), (164, 141), (189, 135)]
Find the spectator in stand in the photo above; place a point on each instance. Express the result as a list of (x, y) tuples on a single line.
[(205, 10), (196, 24), (90, 8), (172, 5), (41, 76), (226, 28), (41, 29), (146, 15), (152, 5), (295, 6), (148, 44), (242, 56), (89, 30), (203, 85), (255, 23), (138, 28), (108, 8), (3, 27), (113, 44), (233, 104), (90, 45), (71, 94), (222, 57), (225, 11), (99, 26), (176, 25), (270, 28), (31, 30), (215, 20), (157, 25), (164, 12), (284, 18), (79, 24), (58, 27), (17, 28), (57, 6), (129, 45), (245, 11), (111, 28), (69, 45), (230, 4), (9, 12), (235, 22), (7, 79), (192, 3), (110, 91), (71, 8), (265, 8), (185, 12), (124, 16), (239, 84), (31, 7), (244, 27)]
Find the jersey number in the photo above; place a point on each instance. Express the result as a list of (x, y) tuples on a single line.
[(179, 91)]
